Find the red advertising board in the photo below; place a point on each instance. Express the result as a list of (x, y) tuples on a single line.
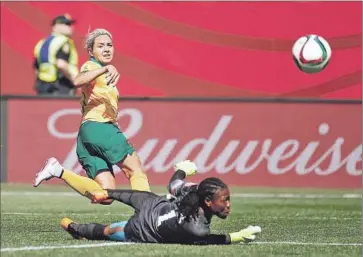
[(245, 144)]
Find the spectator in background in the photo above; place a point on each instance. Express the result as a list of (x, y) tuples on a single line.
[(56, 59)]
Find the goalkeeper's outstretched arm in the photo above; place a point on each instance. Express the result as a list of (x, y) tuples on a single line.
[(199, 233), (246, 235)]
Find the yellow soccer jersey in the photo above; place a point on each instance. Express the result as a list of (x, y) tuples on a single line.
[(99, 101)]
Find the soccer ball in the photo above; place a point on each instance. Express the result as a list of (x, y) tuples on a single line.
[(311, 53)]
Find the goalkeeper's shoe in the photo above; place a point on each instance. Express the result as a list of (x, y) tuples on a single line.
[(246, 235), (67, 224), (51, 169)]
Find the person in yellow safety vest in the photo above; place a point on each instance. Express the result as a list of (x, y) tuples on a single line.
[(56, 59)]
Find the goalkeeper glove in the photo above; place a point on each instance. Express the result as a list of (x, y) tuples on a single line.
[(187, 166), (245, 235)]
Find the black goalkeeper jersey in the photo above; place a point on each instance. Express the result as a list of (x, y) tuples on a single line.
[(158, 220)]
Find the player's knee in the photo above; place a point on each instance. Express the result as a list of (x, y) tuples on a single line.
[(106, 180), (131, 165), (127, 172)]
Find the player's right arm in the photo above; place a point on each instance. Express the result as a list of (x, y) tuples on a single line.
[(198, 230), (89, 73), (201, 236)]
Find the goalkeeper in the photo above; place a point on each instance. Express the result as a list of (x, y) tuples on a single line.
[(183, 219)]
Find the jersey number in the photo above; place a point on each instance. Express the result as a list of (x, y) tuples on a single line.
[(166, 217)]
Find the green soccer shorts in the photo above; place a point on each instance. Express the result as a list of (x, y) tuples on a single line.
[(101, 145)]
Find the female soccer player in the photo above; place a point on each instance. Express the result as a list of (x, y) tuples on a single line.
[(185, 219), (100, 143)]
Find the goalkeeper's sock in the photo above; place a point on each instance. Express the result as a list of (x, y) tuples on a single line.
[(139, 181), (80, 183), (92, 231)]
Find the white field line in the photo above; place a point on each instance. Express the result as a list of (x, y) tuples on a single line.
[(307, 243), (239, 195), (129, 214), (67, 214), (50, 247)]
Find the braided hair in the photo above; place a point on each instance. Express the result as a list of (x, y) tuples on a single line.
[(189, 202)]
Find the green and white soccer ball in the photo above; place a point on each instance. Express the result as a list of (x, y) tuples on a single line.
[(311, 53)]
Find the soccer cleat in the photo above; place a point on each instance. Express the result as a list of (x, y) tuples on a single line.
[(51, 169), (67, 225), (97, 196)]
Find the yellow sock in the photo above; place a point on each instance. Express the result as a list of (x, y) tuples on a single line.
[(139, 182), (80, 183)]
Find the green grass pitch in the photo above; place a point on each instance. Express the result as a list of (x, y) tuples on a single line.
[(294, 222)]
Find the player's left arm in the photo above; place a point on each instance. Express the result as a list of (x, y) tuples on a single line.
[(177, 184)]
